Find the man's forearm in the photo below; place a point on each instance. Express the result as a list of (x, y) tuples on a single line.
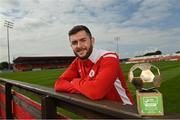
[(65, 86)]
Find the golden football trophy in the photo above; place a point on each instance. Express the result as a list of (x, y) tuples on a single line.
[(149, 99)]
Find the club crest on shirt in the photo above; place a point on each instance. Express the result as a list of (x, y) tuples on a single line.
[(91, 73)]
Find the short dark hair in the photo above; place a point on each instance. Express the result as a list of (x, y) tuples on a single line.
[(78, 28)]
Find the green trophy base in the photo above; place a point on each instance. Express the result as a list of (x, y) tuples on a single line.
[(149, 103)]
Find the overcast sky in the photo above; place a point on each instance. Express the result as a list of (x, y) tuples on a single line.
[(41, 26)]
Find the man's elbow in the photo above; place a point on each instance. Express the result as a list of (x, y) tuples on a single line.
[(57, 85), (56, 88)]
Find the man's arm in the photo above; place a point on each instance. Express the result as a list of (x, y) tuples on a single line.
[(99, 86), (63, 83)]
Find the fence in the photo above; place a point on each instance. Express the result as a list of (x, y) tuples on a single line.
[(15, 105)]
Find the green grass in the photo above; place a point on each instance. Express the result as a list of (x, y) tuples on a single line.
[(169, 87), (44, 77)]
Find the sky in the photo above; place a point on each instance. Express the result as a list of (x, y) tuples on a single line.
[(129, 27)]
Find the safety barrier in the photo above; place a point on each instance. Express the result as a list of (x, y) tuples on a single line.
[(15, 105)]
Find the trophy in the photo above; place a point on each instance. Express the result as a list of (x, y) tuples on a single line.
[(146, 79)]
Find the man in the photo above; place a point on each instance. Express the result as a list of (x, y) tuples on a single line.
[(94, 73)]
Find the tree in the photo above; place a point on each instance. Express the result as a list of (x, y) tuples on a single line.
[(3, 65), (158, 52), (178, 52)]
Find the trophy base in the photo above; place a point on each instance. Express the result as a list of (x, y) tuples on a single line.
[(149, 102)]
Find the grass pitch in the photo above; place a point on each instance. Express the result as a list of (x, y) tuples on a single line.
[(170, 72)]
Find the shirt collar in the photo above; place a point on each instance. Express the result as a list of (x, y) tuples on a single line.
[(96, 54)]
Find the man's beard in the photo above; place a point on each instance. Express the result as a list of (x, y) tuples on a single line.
[(87, 54)]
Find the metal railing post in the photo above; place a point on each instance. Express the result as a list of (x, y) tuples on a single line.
[(48, 108), (8, 101)]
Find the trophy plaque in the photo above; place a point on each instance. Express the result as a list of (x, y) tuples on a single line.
[(146, 79)]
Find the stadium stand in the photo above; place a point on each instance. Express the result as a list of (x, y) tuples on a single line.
[(39, 63), (154, 58)]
